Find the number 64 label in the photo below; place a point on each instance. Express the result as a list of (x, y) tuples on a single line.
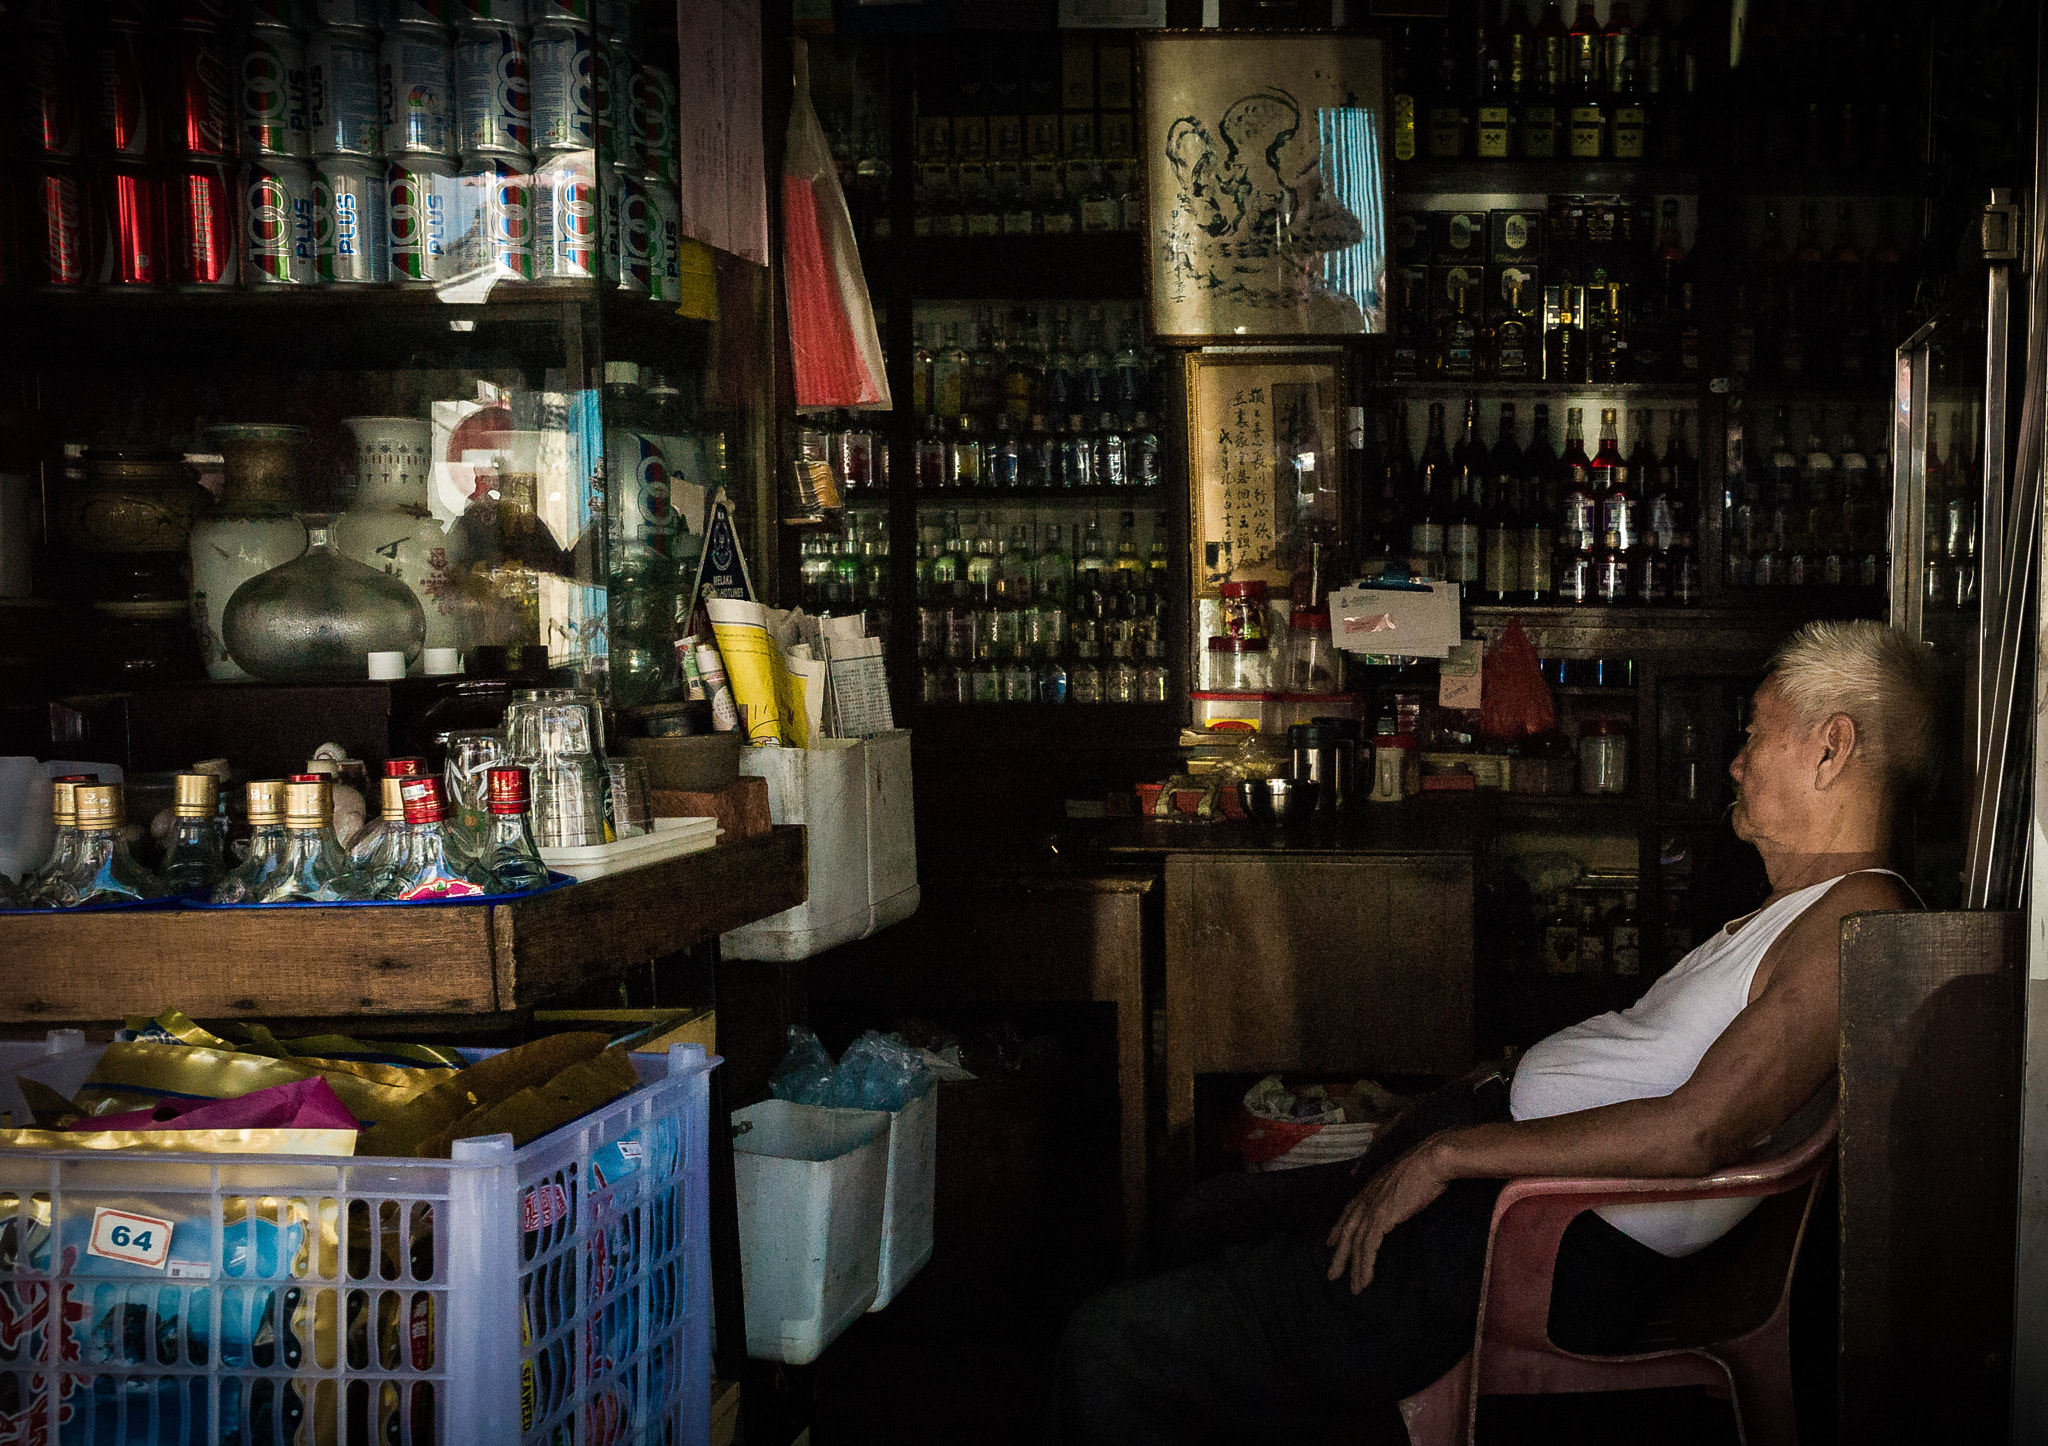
[(137, 1239)]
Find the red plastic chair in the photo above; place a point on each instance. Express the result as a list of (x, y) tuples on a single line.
[(1720, 1321)]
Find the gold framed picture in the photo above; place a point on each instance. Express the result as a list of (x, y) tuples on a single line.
[(1265, 181), (1264, 461)]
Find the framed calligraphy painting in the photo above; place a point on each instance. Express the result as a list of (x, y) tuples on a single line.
[(1265, 182), (1264, 461)]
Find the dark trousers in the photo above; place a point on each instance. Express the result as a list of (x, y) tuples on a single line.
[(1244, 1339)]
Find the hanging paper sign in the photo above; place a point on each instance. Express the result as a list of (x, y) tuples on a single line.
[(722, 566)]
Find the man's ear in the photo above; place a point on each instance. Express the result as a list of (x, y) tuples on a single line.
[(1838, 741)]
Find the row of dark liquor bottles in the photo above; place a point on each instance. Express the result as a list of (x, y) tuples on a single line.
[(1526, 524)]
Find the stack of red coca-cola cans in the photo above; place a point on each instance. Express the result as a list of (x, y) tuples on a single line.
[(341, 143)]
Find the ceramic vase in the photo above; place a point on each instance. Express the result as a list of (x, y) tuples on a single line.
[(318, 618), (388, 527), (251, 530)]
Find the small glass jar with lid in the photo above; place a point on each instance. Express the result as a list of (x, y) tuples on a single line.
[(1239, 665), (1244, 609), (1603, 756)]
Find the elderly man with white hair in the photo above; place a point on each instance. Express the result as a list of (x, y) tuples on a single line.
[(1304, 1299)]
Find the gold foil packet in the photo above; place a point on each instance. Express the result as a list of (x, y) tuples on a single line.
[(206, 1142), (140, 1074)]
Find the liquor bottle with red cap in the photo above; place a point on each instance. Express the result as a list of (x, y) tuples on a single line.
[(429, 870), (374, 852), (509, 850), (313, 868)]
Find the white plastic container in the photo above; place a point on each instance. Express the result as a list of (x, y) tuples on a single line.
[(670, 838), (853, 795), (502, 1295), (811, 1189), (908, 1199)]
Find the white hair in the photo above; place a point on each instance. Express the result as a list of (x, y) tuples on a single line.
[(1884, 681)]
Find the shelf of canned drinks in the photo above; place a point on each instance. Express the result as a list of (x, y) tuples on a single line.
[(446, 146)]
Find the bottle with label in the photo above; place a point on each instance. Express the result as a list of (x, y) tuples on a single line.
[(192, 860), (1682, 487), (1578, 518), (949, 375), (1826, 553), (1587, 128), (1461, 328), (1512, 352), (1627, 138), (1592, 941), (1432, 502), (428, 869), (1461, 531), (1862, 516), (1548, 86), (1539, 537), (1778, 535), (1449, 119), (1401, 87), (509, 852), (313, 867), (1493, 109), (1660, 527), (1141, 452), (1501, 525), (266, 845), (373, 854), (1560, 935), (1619, 521), (1564, 338), (921, 361), (1624, 940), (1386, 538)]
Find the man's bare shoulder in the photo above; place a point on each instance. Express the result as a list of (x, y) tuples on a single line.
[(1814, 940)]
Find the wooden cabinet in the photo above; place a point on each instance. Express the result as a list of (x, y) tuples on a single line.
[(1334, 963)]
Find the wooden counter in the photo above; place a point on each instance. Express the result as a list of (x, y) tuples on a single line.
[(431, 960)]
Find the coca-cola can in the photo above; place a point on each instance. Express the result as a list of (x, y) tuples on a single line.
[(120, 66), (46, 71), (418, 79), (421, 191), (561, 58), (490, 12), (495, 227), (274, 93), (199, 210), (654, 119), (342, 92), (493, 102), (664, 241), (200, 117), (56, 240), (131, 213), (284, 14), (348, 12), (625, 229), (420, 12), (348, 222), (565, 231), (277, 223)]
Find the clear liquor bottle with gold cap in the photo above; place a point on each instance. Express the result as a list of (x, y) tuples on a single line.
[(313, 867), (106, 873), (429, 870), (193, 863), (50, 885), (509, 850), (266, 844), (374, 854)]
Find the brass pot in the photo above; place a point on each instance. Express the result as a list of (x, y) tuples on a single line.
[(132, 500), (260, 468)]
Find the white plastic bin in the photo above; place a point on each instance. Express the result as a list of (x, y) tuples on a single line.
[(811, 1186), (908, 1199), (853, 796), (558, 1291)]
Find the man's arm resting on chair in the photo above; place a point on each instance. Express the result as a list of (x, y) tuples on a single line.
[(1765, 1065)]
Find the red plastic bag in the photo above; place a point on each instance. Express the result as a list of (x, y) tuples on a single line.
[(1514, 700), (833, 342)]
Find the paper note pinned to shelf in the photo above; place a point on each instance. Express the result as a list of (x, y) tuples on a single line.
[(1415, 621), (1459, 678)]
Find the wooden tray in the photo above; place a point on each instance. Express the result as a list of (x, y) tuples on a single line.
[(284, 963)]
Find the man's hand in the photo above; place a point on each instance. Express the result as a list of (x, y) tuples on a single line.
[(1399, 1192)]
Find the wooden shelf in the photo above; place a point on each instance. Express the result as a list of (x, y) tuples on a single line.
[(435, 959)]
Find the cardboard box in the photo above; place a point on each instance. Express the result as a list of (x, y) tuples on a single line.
[(1458, 238), (1411, 237), (1516, 237), (741, 810)]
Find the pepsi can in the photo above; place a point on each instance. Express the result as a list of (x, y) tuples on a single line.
[(283, 14), (494, 224), (565, 233), (131, 239), (125, 101), (200, 117), (347, 12), (274, 94), (348, 223), (199, 210), (418, 78), (51, 124), (655, 104), (664, 241), (625, 229), (561, 57), (342, 93), (638, 501), (53, 227), (420, 192), (493, 103), (277, 223), (490, 12)]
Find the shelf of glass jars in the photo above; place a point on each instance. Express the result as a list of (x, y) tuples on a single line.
[(1724, 632), (1532, 177), (1085, 266)]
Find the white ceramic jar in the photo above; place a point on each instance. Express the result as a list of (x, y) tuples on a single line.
[(251, 531), (389, 527)]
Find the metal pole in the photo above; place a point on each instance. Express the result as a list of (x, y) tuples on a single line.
[(1909, 480)]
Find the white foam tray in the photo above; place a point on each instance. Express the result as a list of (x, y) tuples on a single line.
[(672, 838)]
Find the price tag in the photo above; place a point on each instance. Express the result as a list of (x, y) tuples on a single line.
[(137, 1239)]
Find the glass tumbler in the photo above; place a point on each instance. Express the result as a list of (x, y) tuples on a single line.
[(569, 783), (631, 814)]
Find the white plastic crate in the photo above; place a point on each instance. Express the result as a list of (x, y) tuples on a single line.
[(909, 1197), (556, 1293)]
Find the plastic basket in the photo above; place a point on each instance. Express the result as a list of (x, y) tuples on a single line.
[(556, 1293)]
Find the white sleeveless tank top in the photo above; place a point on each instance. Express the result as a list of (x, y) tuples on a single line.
[(1650, 1049)]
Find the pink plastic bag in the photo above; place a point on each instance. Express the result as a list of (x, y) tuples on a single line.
[(307, 1104)]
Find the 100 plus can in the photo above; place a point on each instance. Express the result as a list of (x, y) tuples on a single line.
[(121, 77), (638, 497), (561, 58), (348, 222), (611, 72), (420, 12), (494, 220), (274, 93), (199, 118), (625, 228), (654, 119), (420, 192), (51, 122), (491, 12), (664, 241), (418, 91), (342, 93), (493, 101), (277, 223), (546, 12), (131, 212), (199, 212), (565, 239), (56, 239)]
